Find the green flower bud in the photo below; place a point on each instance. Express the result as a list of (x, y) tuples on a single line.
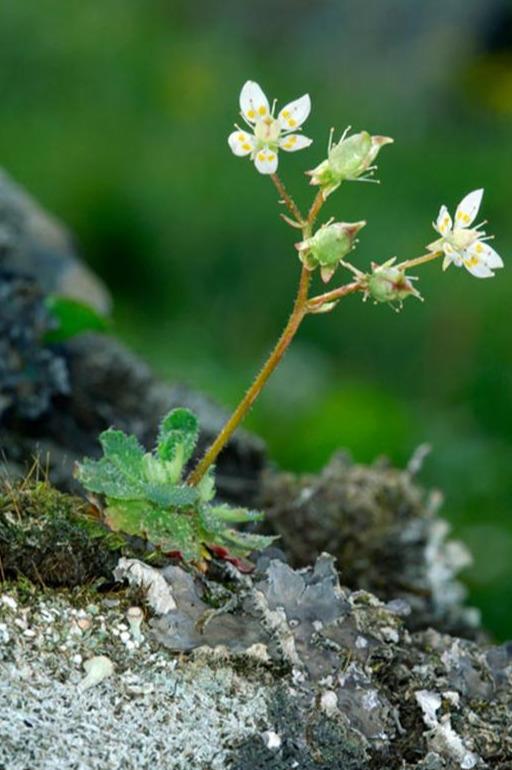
[(390, 284), (328, 246), (350, 159)]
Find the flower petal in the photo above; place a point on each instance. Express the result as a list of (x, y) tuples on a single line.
[(295, 113), (468, 208), (294, 142), (253, 102), (266, 161), (486, 254), (241, 142), (477, 267), (444, 222)]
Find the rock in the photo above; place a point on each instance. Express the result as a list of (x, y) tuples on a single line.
[(384, 530), (302, 676), (34, 243), (31, 375)]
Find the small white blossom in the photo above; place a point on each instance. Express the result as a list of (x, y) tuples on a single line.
[(267, 134), (463, 245)]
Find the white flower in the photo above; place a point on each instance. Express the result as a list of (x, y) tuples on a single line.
[(268, 134), (463, 245)]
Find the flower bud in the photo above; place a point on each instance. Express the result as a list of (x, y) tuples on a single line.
[(350, 159), (328, 246), (390, 284)]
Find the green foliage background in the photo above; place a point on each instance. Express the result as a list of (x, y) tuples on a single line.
[(115, 115)]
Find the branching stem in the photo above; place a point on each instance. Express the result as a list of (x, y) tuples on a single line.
[(302, 306)]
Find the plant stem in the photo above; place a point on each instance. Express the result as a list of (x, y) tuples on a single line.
[(287, 198), (300, 309), (420, 260), (335, 294), (315, 208)]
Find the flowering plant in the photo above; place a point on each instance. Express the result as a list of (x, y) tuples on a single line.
[(150, 493), (352, 158)]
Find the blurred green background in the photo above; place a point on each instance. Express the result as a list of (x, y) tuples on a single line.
[(115, 116)]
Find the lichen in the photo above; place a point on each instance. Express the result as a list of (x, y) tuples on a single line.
[(385, 532)]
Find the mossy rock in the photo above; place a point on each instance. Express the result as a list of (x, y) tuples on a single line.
[(53, 539)]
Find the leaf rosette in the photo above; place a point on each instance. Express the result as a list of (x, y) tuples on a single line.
[(146, 494)]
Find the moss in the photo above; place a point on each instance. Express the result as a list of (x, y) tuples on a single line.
[(53, 539)]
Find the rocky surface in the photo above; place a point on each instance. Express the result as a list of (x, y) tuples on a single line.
[(284, 669), (385, 532)]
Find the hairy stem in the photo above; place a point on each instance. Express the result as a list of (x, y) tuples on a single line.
[(299, 311), (420, 260), (287, 199), (331, 296)]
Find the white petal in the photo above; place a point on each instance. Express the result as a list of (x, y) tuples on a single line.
[(266, 161), (294, 142), (477, 268), (253, 102), (468, 208), (444, 222), (486, 254), (295, 113), (241, 142), (492, 258)]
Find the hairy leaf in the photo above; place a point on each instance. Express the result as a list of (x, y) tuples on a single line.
[(147, 497), (179, 429)]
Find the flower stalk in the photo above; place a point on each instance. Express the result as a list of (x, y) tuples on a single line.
[(350, 159)]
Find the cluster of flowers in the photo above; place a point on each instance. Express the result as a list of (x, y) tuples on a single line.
[(352, 158)]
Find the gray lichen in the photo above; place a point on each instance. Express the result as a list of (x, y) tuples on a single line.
[(384, 531), (332, 675)]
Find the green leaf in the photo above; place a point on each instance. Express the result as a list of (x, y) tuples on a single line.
[(242, 543), (206, 486), (119, 473), (146, 497), (175, 532), (102, 477), (73, 317), (128, 516), (178, 429), (236, 515), (169, 496)]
